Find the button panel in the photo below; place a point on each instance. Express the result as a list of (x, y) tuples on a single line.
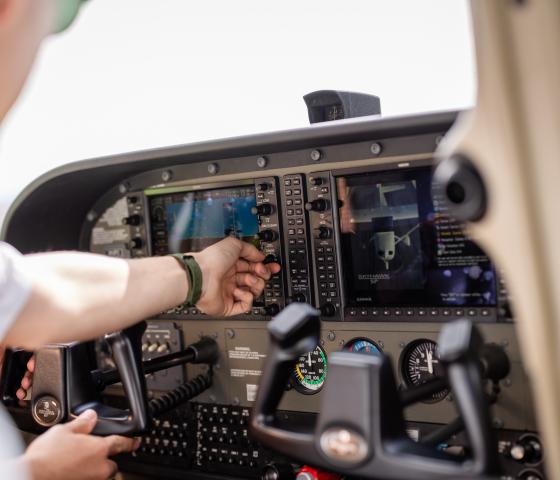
[(267, 200), (295, 236), (322, 222)]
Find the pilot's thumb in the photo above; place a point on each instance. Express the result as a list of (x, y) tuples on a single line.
[(84, 423)]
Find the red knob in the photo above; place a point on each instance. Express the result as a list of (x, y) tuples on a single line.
[(308, 473)]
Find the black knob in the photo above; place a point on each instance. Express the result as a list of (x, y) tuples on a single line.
[(327, 310), (272, 309), (263, 187), (275, 471), (318, 205), (134, 220), (267, 235), (264, 209), (136, 242), (324, 233), (527, 450), (316, 181), (299, 297), (270, 259)]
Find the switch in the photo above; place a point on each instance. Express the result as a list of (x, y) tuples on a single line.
[(267, 235), (318, 205)]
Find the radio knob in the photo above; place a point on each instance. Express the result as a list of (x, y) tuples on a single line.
[(267, 235), (299, 298), (264, 209), (270, 259), (324, 233), (133, 220), (136, 243), (263, 187), (327, 310), (319, 205), (274, 471), (272, 309), (316, 181)]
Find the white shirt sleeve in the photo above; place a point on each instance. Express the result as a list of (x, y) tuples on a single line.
[(15, 287)]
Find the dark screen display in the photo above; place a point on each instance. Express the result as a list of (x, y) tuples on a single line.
[(399, 248), (191, 221)]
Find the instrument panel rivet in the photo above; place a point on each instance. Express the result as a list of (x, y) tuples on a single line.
[(401, 344), (213, 168), (235, 402), (507, 382), (381, 344), (331, 336), (376, 148), (262, 161), (166, 175), (123, 188), (316, 155), (91, 216), (230, 333), (497, 423), (341, 343)]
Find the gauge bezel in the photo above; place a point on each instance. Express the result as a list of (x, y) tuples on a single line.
[(301, 388), (354, 340), (405, 380)]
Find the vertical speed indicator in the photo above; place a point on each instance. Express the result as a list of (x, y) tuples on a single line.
[(310, 371)]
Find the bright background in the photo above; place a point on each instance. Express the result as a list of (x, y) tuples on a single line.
[(135, 74)]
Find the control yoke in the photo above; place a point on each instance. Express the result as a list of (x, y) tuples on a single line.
[(360, 430), (66, 383)]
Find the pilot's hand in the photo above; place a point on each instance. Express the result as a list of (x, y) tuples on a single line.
[(68, 452), (27, 380), (233, 276)]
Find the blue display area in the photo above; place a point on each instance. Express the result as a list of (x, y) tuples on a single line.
[(213, 217)]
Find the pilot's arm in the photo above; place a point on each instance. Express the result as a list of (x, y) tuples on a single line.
[(79, 296)]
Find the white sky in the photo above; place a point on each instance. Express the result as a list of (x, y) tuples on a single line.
[(135, 74)]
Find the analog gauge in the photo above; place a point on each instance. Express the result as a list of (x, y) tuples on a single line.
[(310, 371), (363, 345), (420, 363)]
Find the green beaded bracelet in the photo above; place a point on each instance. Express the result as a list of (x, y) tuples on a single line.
[(194, 274)]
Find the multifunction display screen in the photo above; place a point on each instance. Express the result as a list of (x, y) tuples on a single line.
[(189, 221), (399, 248)]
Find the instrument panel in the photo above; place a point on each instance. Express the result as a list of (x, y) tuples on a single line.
[(350, 214)]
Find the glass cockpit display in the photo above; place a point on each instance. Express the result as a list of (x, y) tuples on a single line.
[(189, 221), (400, 248)]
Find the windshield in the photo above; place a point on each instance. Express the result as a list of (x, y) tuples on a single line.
[(135, 74)]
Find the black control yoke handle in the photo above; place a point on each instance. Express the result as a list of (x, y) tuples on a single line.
[(125, 347), (360, 430), (293, 332)]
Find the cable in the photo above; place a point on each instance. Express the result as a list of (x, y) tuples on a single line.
[(181, 394)]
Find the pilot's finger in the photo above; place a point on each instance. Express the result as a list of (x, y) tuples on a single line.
[(255, 284), (118, 444), (111, 469), (85, 423), (21, 394), (26, 381), (31, 364), (257, 268), (244, 301), (273, 268), (251, 253)]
